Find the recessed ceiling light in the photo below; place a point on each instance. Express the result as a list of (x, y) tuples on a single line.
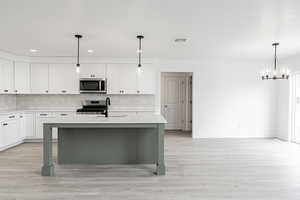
[(180, 40), (33, 50), (90, 51)]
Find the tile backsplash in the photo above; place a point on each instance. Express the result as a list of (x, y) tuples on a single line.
[(7, 102), (118, 102)]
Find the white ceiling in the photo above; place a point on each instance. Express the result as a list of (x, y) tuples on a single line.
[(238, 28)]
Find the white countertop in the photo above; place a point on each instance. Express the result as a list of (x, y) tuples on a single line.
[(112, 119), (13, 111)]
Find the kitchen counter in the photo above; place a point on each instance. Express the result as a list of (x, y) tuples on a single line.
[(118, 139), (112, 119)]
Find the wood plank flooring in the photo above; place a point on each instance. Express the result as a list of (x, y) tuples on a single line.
[(203, 169)]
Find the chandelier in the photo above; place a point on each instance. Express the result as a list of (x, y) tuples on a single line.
[(276, 73)]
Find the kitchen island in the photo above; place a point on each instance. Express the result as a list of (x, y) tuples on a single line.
[(123, 139)]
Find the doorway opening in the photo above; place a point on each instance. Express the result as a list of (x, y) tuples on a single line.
[(176, 102)]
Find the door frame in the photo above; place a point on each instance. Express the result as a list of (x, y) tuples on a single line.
[(292, 109), (159, 99)]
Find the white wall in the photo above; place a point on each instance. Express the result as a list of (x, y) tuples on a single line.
[(229, 98)]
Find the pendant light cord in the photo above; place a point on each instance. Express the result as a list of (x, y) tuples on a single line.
[(78, 38), (78, 52), (140, 37), (275, 58), (140, 53)]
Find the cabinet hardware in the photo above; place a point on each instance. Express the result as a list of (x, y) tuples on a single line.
[(43, 114), (5, 90), (138, 91), (63, 91), (63, 114), (46, 91), (16, 91), (5, 124), (21, 116), (12, 116)]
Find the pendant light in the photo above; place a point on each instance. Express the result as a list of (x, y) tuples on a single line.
[(78, 64), (276, 73), (140, 37)]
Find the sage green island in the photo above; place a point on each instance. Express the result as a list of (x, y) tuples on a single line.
[(85, 139)]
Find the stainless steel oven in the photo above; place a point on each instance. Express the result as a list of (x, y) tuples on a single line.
[(92, 85)]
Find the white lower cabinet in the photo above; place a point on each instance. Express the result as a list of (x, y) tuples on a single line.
[(10, 133), (27, 125), (40, 118), (1, 137)]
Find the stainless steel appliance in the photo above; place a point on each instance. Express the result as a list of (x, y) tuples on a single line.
[(95, 107), (93, 85)]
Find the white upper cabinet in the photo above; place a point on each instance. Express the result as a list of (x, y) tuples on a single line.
[(146, 80), (92, 71), (113, 85), (22, 78), (122, 79), (39, 78), (6, 77), (63, 79), (125, 79)]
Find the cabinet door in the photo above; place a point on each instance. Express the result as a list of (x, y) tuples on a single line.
[(22, 78), (11, 132), (40, 118), (39, 78), (92, 71), (6, 76), (63, 79), (113, 85), (147, 80), (128, 78), (27, 125), (1, 136), (122, 79)]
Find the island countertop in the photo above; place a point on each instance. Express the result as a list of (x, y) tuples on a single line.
[(111, 119)]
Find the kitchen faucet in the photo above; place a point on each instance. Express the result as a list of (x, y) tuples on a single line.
[(107, 103)]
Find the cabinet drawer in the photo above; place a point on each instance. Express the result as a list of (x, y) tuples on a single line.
[(63, 114), (44, 114)]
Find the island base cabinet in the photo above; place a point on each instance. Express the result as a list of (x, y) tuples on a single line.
[(107, 146)]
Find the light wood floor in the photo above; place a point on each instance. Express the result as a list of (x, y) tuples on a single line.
[(204, 169)]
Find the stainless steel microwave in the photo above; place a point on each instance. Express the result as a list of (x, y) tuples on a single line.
[(92, 85)]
